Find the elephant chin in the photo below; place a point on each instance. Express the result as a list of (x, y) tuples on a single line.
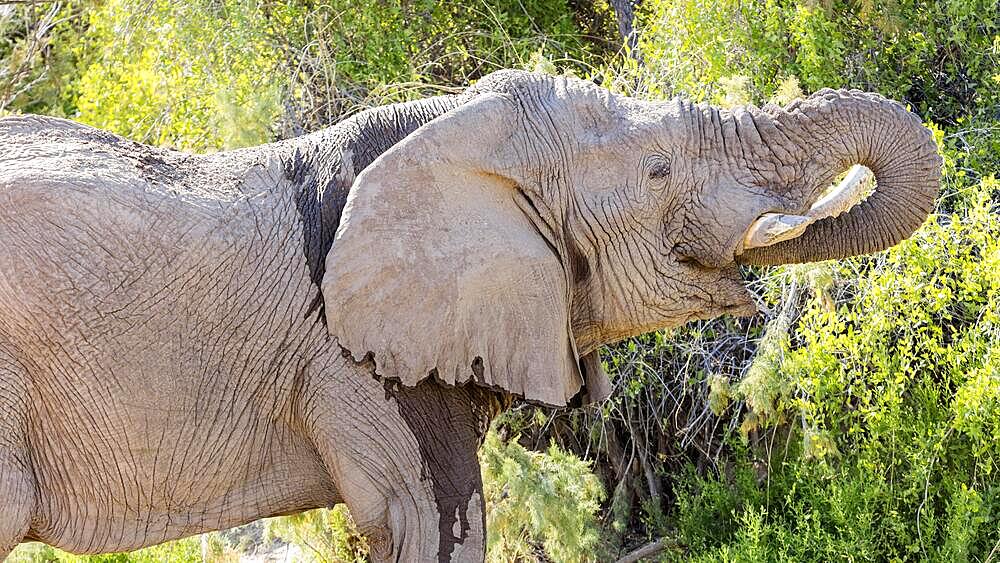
[(729, 296), (739, 301), (747, 309)]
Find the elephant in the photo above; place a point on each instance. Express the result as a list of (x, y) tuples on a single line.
[(192, 342)]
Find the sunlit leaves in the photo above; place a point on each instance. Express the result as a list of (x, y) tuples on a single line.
[(539, 502)]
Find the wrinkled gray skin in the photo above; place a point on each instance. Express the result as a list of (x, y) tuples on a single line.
[(165, 363)]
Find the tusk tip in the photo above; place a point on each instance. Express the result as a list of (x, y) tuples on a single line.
[(772, 228)]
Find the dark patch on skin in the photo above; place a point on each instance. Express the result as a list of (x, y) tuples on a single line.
[(319, 208), (319, 204), (101, 137), (578, 263), (477, 369), (596, 385), (155, 170), (324, 169), (449, 424)]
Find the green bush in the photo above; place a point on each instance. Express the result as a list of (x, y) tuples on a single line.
[(887, 443), (942, 56), (38, 61), (212, 74), (539, 503), (320, 535), (183, 551), (193, 75)]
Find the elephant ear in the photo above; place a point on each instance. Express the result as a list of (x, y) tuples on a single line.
[(438, 269)]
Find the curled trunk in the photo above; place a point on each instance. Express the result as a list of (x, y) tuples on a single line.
[(833, 130)]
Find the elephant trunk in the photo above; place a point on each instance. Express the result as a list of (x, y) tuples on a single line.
[(835, 129)]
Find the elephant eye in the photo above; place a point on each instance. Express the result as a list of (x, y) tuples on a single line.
[(659, 168)]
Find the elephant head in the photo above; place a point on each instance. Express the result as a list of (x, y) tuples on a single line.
[(542, 217)]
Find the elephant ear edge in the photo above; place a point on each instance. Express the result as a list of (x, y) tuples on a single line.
[(437, 269)]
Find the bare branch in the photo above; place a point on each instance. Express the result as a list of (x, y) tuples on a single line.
[(625, 14), (649, 550)]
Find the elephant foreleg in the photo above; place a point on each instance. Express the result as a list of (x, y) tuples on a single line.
[(17, 495), (17, 487), (404, 460), (448, 424)]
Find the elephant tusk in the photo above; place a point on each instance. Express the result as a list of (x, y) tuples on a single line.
[(772, 228), (850, 191)]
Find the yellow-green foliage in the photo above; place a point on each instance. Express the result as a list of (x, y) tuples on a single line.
[(320, 535), (539, 503), (37, 54), (400, 42), (210, 74), (895, 397), (188, 550), (193, 75), (941, 55)]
